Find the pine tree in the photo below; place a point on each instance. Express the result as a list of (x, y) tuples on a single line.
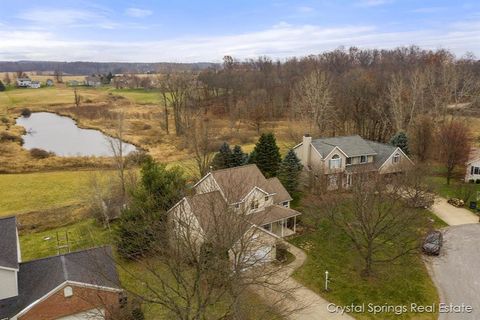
[(289, 171), (400, 140), (266, 155), (223, 158), (239, 158)]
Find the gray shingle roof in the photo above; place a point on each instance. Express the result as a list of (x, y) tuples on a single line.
[(38, 277), (383, 152), (8, 243), (352, 145)]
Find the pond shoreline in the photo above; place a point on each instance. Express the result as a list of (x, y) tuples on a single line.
[(72, 140)]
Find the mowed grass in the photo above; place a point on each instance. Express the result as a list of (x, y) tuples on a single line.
[(20, 193), (401, 283)]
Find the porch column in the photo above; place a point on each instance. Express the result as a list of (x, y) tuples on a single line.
[(294, 223), (282, 226)]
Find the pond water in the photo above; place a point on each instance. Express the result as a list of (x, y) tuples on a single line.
[(61, 135)]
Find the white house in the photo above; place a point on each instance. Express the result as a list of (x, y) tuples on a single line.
[(35, 84), (472, 173), (24, 82), (339, 158)]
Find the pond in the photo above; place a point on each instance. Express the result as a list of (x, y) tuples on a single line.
[(61, 135)]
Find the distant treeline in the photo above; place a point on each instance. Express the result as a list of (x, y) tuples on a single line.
[(85, 68)]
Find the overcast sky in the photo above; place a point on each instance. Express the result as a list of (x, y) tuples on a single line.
[(192, 31)]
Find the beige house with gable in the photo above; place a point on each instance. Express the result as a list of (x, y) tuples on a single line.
[(339, 158), (244, 202)]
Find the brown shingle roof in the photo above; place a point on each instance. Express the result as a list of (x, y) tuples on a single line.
[(237, 182), (272, 214)]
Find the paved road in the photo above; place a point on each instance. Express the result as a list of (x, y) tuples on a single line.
[(303, 302), (453, 216), (457, 271)]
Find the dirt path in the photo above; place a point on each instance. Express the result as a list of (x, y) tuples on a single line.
[(453, 216), (307, 305)]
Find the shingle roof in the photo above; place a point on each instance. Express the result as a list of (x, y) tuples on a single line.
[(352, 145), (237, 182), (272, 214), (383, 152), (8, 243), (205, 206), (38, 277)]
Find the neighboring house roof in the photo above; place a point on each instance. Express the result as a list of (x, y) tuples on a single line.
[(39, 277), (24, 79), (474, 155), (352, 146), (236, 183), (384, 151), (272, 214), (8, 243)]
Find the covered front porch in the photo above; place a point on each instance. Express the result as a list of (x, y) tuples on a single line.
[(282, 228)]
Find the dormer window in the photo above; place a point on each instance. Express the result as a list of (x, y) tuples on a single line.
[(349, 161), (254, 204), (396, 158), (335, 162), (363, 159)]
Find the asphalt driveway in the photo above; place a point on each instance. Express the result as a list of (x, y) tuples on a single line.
[(456, 271)]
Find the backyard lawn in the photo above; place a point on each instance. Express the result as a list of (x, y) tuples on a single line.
[(401, 283), (21, 193)]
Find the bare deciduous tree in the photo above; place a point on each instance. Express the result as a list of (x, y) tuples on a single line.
[(312, 101), (76, 97), (377, 221), (453, 145)]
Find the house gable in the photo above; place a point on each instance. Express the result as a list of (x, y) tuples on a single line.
[(390, 166)]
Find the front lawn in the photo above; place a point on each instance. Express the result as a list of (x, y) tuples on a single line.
[(401, 283), (455, 189)]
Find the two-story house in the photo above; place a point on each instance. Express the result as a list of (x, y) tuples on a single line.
[(339, 158), (77, 285), (261, 206)]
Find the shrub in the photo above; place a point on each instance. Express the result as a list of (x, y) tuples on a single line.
[(26, 112), (471, 181), (40, 154), (477, 181), (7, 136), (281, 252), (137, 158)]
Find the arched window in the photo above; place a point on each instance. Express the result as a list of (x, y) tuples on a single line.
[(335, 162), (396, 158)]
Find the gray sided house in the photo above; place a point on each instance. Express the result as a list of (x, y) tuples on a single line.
[(93, 81), (340, 158), (50, 288)]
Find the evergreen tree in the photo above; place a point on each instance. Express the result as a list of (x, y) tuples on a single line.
[(266, 155), (289, 171), (2, 86), (143, 223), (400, 140), (239, 158), (223, 158)]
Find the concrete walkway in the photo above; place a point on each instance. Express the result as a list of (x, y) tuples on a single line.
[(452, 215), (303, 302)]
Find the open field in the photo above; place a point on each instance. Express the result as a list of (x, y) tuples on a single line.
[(143, 113), (401, 283), (20, 193)]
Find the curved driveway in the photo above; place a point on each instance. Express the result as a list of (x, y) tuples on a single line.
[(456, 271)]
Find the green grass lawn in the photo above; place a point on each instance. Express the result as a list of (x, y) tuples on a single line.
[(455, 189), (20, 193), (404, 282)]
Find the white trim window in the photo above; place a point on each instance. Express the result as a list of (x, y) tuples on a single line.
[(335, 162), (254, 204), (396, 158), (363, 159)]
